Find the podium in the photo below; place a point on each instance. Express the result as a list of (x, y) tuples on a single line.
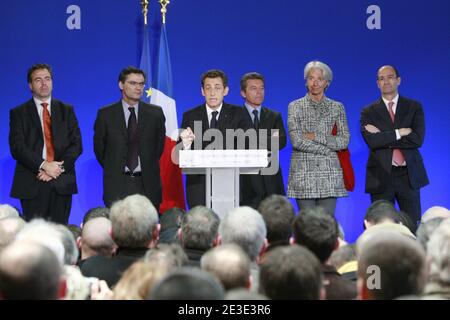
[(222, 169)]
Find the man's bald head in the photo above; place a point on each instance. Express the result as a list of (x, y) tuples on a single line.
[(29, 271), (96, 238)]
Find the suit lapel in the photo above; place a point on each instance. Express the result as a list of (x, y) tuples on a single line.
[(382, 111), (119, 119), (32, 111), (263, 118), (142, 116), (225, 117), (203, 115), (56, 122), (400, 112)]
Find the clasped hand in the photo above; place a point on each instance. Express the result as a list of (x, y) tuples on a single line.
[(50, 170)]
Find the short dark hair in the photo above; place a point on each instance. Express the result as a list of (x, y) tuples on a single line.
[(129, 70), (401, 262), (317, 231), (278, 214), (380, 210), (250, 76), (215, 73), (96, 213), (188, 284), (38, 66), (397, 74), (290, 272), (199, 228)]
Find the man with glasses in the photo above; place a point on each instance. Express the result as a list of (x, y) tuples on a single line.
[(45, 140), (128, 142)]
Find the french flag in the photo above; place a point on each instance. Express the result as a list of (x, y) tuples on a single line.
[(160, 93)]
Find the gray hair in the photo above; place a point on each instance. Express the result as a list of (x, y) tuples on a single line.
[(229, 263), (199, 228), (245, 227), (435, 212), (133, 220), (7, 211), (70, 246), (9, 227), (315, 64), (42, 232), (438, 250)]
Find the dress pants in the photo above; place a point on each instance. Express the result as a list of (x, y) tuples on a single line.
[(48, 205), (399, 189)]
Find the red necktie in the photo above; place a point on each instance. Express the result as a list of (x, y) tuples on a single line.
[(48, 133), (397, 155)]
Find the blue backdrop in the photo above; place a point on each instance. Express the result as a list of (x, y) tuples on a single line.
[(273, 37)]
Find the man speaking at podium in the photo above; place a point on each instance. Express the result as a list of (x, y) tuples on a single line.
[(213, 114)]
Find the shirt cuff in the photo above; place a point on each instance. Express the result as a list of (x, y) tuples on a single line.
[(42, 164), (397, 134)]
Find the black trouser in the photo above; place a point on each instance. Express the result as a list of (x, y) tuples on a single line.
[(399, 189), (48, 204), (131, 185)]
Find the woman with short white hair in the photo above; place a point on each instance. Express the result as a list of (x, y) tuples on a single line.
[(315, 176)]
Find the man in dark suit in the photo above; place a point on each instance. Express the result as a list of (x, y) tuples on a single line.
[(45, 140), (213, 114), (394, 128), (254, 188), (128, 142)]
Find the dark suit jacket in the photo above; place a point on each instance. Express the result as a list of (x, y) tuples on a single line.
[(253, 185), (409, 114), (110, 146), (111, 269), (230, 117), (26, 143), (336, 286)]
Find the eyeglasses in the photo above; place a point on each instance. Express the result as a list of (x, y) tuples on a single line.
[(134, 83)]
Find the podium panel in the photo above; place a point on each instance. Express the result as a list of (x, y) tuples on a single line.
[(222, 169)]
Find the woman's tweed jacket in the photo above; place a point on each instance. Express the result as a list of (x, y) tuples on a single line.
[(315, 171)]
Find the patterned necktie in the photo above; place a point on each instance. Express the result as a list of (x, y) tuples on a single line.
[(50, 156), (213, 124), (397, 155), (255, 119), (133, 141)]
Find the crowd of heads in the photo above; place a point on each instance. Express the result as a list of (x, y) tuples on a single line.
[(269, 253)]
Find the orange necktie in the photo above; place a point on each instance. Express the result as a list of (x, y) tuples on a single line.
[(48, 133), (397, 155)]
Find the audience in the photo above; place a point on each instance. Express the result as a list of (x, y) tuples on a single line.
[(96, 239), (435, 212), (30, 271), (198, 233), (188, 284), (291, 272), (7, 211), (135, 229), (345, 261), (390, 266), (438, 253), (278, 214), (247, 254), (318, 231), (230, 264), (9, 227), (245, 227), (170, 222)]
